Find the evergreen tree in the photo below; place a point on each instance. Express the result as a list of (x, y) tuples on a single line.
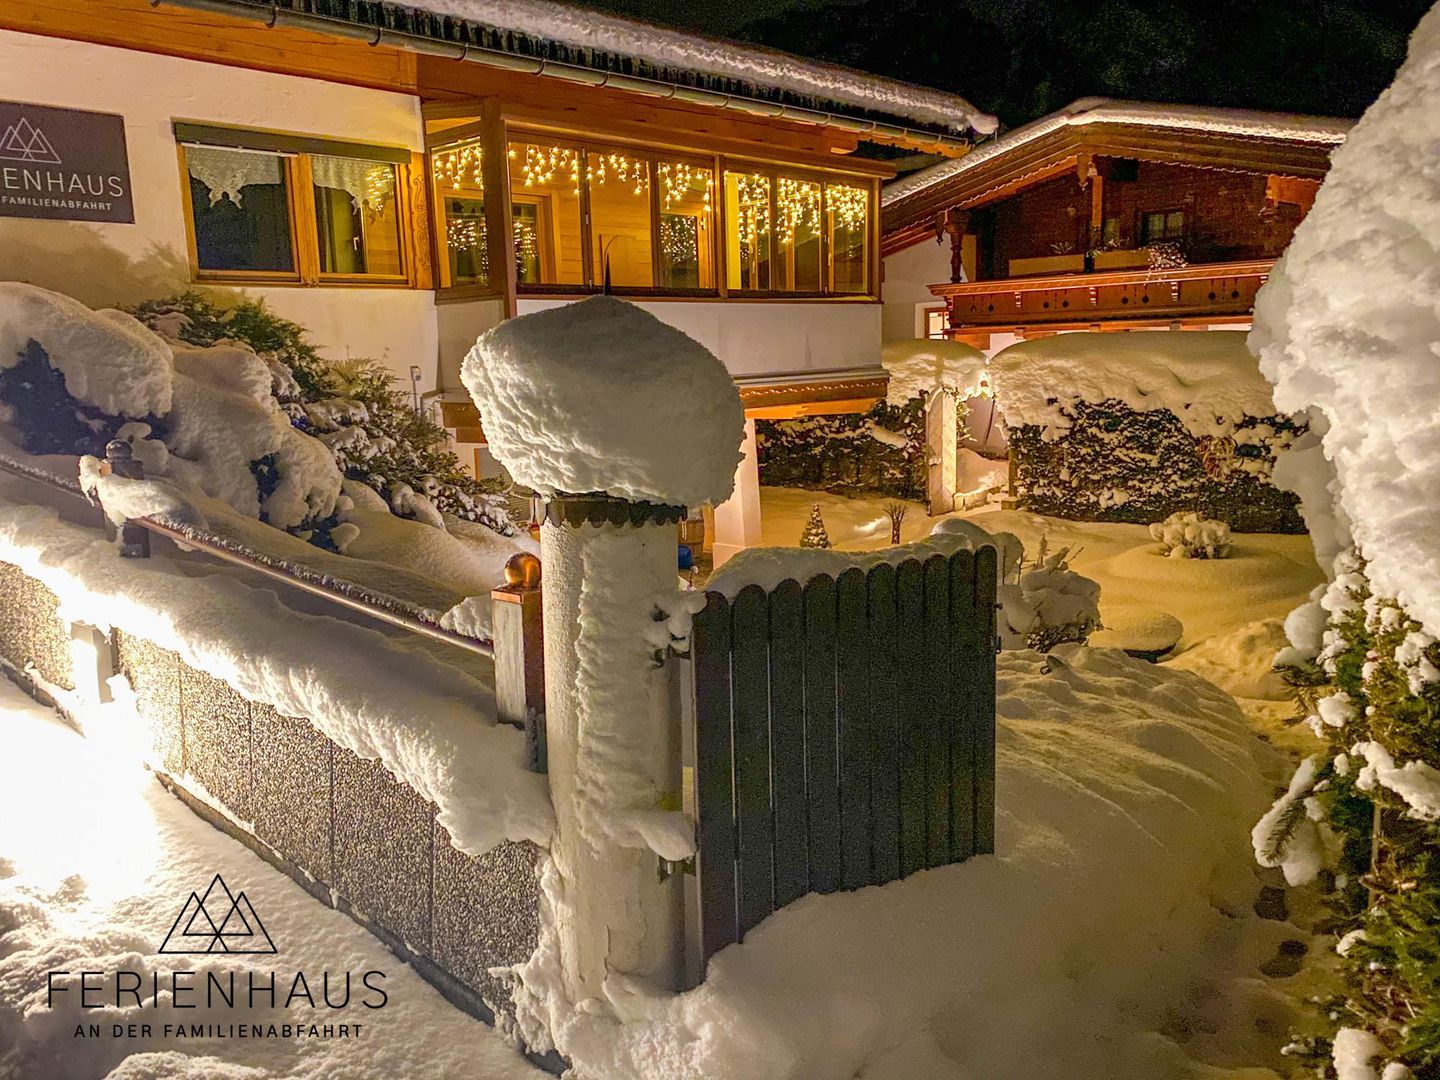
[(1373, 698), (353, 406), (815, 535)]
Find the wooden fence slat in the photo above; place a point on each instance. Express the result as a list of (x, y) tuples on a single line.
[(822, 778), (982, 730), (964, 688), (939, 711), (787, 741), (910, 711), (714, 794), (884, 728), (750, 700), (852, 693)]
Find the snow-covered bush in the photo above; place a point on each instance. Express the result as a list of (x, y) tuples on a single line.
[(881, 452), (1347, 327), (352, 406), (1186, 534), (1048, 604), (1134, 427)]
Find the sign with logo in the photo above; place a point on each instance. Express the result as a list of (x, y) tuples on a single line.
[(63, 164)]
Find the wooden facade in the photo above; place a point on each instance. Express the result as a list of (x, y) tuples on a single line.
[(1114, 223)]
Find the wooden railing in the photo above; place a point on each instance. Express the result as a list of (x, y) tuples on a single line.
[(1219, 290)]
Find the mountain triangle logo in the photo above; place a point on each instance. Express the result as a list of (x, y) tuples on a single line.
[(218, 922)]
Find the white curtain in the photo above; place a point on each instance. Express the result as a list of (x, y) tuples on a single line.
[(225, 172)]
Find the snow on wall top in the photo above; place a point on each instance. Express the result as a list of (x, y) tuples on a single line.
[(602, 396), (108, 359), (1349, 324), (1209, 380), (582, 28), (1262, 125), (925, 365)]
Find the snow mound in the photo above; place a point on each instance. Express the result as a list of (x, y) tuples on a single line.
[(1348, 324), (1026, 965), (1210, 381), (1138, 629), (924, 366), (108, 359), (601, 396)]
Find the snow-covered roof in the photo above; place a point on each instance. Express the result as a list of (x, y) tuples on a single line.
[(1317, 130), (598, 32), (627, 48)]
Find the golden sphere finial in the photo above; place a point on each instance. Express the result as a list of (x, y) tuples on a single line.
[(522, 570)]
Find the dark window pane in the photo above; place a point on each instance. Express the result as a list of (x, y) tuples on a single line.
[(240, 210)]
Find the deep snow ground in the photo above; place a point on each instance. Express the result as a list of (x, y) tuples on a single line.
[(1232, 610), (96, 859)]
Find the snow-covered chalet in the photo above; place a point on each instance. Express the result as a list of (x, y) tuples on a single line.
[(1105, 215), (334, 158)]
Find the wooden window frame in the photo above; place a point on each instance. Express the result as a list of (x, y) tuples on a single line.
[(1141, 240), (774, 172), (300, 207)]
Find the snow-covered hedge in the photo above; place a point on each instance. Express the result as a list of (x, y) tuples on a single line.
[(1348, 328), (881, 452), (1135, 427)]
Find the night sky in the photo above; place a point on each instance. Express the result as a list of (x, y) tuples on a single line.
[(1023, 58)]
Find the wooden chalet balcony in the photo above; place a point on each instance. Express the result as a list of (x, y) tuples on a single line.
[(1137, 296)]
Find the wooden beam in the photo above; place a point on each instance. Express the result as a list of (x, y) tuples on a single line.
[(199, 35)]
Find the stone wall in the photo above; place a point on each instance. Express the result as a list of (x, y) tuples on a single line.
[(342, 826)]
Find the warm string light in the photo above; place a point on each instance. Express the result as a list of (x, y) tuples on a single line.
[(379, 187), (469, 232), (542, 165), (849, 206), (460, 166), (679, 238), (633, 172), (799, 205), (678, 182)]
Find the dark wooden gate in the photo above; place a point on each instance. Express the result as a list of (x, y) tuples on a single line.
[(844, 736)]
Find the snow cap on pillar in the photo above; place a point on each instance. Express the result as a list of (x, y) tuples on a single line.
[(601, 396)]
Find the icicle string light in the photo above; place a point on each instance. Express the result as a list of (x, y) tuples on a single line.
[(678, 182), (460, 166)]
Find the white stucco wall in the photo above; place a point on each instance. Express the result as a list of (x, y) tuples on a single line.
[(760, 337), (908, 277), (106, 264)]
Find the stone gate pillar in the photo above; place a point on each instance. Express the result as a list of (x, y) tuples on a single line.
[(618, 421)]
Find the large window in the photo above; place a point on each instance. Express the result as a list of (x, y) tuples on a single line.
[(584, 214), (273, 207), (545, 190), (792, 234), (686, 214)]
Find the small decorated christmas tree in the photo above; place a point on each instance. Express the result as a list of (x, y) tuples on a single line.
[(815, 535)]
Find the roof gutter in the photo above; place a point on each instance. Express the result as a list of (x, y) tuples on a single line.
[(273, 15)]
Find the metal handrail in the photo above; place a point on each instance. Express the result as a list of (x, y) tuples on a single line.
[(379, 606)]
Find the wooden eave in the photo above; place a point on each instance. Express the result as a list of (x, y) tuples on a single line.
[(234, 42), (823, 397), (906, 221)]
